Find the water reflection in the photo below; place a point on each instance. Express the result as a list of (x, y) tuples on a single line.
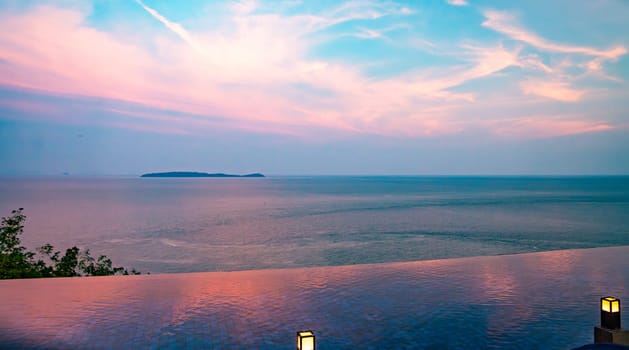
[(523, 301)]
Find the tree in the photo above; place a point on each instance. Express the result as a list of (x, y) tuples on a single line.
[(17, 262)]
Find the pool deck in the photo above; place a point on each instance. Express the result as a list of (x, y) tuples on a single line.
[(540, 300)]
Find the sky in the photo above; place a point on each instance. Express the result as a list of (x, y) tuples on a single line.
[(443, 87)]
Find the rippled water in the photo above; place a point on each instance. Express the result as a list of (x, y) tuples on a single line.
[(186, 225), (530, 301)]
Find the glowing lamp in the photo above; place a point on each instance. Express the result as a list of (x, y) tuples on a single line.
[(610, 313), (305, 340)]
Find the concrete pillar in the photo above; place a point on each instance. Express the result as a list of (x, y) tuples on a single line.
[(611, 336)]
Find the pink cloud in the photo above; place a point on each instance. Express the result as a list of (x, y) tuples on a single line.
[(256, 76), (457, 2), (541, 126), (556, 90), (62, 55), (48, 49)]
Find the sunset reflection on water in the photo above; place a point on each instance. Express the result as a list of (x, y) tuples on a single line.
[(485, 302)]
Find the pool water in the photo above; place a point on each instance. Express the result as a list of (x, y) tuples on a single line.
[(528, 301)]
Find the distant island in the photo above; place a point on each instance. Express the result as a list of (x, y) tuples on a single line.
[(196, 174)]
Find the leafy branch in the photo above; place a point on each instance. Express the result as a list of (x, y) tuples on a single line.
[(17, 262)]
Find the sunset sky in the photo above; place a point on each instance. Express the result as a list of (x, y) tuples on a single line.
[(314, 87)]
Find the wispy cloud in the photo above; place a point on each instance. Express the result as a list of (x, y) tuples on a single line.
[(595, 69), (568, 62), (172, 26), (367, 33), (544, 126), (556, 90), (257, 63), (244, 7), (507, 24), (371, 33), (260, 70), (457, 2)]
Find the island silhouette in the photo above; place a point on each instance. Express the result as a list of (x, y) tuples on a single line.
[(196, 174)]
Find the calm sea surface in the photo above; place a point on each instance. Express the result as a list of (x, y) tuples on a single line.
[(217, 224)]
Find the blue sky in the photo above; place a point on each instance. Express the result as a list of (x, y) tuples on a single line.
[(319, 87)]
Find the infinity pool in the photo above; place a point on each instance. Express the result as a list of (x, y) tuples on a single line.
[(540, 300)]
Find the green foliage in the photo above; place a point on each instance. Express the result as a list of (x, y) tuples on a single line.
[(12, 228), (17, 262)]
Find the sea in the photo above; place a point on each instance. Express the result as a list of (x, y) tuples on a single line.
[(166, 225)]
